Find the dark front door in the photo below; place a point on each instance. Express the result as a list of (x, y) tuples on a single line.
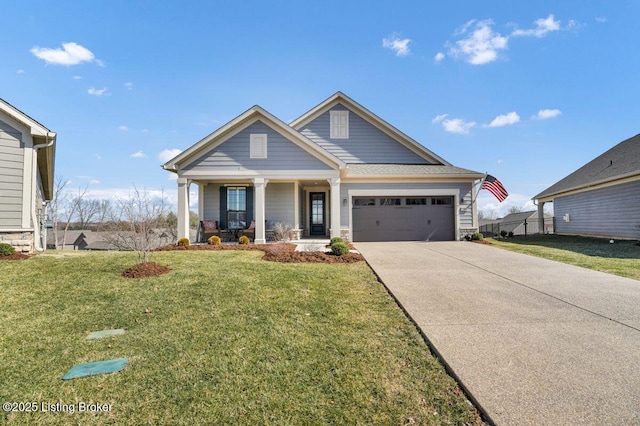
[(317, 210)]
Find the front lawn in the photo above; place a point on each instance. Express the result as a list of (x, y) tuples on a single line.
[(224, 338), (619, 258)]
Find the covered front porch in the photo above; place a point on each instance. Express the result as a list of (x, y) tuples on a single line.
[(309, 206)]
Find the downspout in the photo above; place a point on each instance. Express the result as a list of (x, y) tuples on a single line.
[(37, 240)]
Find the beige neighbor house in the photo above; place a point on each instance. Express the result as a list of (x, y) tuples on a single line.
[(337, 170), (27, 156)]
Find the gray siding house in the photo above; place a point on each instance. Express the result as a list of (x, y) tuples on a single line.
[(337, 170), (602, 197), (27, 155)]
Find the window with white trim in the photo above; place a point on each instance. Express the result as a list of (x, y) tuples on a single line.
[(258, 145), (339, 123)]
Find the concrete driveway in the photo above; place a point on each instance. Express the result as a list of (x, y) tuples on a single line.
[(535, 342)]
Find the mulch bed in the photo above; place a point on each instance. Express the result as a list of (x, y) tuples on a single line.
[(485, 242), (284, 253), (145, 270), (15, 256)]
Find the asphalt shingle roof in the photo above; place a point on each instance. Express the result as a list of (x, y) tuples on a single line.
[(406, 170), (620, 161)]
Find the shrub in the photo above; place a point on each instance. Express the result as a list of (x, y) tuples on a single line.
[(6, 249), (336, 240), (503, 233), (183, 242), (243, 240), (282, 232), (214, 240), (511, 234), (477, 236), (339, 248)]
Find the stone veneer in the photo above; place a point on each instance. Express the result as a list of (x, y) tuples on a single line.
[(21, 241)]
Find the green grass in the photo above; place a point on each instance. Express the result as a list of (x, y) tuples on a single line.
[(620, 258), (230, 339)]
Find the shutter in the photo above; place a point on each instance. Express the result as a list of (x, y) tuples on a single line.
[(249, 204), (223, 207)]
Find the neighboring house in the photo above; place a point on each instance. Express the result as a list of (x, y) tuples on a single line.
[(27, 156), (338, 170), (76, 239), (600, 198), (522, 223)]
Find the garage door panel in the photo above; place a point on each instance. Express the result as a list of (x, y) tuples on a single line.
[(417, 222)]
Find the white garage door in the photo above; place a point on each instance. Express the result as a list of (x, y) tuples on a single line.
[(403, 219)]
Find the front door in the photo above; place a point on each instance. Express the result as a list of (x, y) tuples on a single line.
[(317, 210)]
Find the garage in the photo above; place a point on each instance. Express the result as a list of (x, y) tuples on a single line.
[(392, 218)]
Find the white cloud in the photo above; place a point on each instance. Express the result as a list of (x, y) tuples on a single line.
[(145, 130), (481, 46), (393, 42), (438, 118), (77, 77), (601, 19), (544, 114), (542, 28), (70, 54), (168, 154), (457, 125), (94, 182), (128, 85), (21, 71), (439, 57), (138, 154), (97, 92), (505, 120), (123, 128)]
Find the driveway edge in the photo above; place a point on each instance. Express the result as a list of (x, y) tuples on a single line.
[(434, 351)]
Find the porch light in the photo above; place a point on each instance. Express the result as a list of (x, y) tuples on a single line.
[(344, 202)]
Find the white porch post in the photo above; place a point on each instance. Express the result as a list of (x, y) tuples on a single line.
[(183, 208), (541, 217), (335, 207), (258, 191)]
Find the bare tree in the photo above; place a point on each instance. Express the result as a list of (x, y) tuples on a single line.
[(57, 205), (516, 209), (86, 212), (135, 223), (73, 207)]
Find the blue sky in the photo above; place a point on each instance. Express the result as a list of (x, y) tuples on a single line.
[(526, 91)]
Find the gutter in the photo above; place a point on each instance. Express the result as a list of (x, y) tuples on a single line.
[(37, 238)]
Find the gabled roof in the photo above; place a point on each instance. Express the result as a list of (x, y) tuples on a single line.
[(391, 131), (410, 170), (240, 122), (41, 135), (621, 161)]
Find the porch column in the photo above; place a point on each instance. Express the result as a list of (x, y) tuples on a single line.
[(183, 208), (258, 192), (335, 206), (541, 217)]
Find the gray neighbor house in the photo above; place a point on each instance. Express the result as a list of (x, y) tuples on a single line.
[(27, 156), (602, 198), (336, 171)]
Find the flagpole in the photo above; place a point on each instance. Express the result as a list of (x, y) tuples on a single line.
[(479, 185)]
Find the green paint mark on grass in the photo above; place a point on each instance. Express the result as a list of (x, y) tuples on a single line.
[(106, 333), (95, 368)]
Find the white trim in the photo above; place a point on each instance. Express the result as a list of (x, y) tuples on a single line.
[(258, 145), (417, 192), (618, 180), (240, 123), (339, 124), (244, 174)]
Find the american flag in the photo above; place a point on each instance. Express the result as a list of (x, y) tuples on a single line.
[(495, 187)]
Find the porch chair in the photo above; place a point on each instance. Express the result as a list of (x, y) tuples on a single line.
[(250, 231), (209, 228)]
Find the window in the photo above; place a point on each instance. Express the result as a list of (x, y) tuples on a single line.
[(339, 124), (258, 145), (442, 201), (364, 202), (416, 202), (389, 201), (236, 207)]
